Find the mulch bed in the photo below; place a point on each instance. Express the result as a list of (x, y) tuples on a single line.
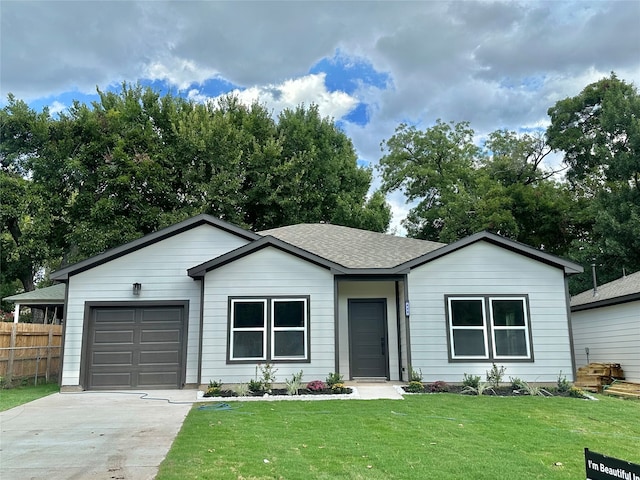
[(503, 391), (283, 392)]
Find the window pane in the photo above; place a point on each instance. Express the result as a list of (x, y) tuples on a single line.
[(508, 313), (288, 313), (247, 345), (466, 313), (468, 343), (511, 343), (289, 344), (248, 314)]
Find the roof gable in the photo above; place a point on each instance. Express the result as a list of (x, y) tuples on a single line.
[(140, 243), (200, 271), (47, 295), (568, 267), (622, 290)]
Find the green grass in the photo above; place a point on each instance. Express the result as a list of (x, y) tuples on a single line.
[(441, 436), (12, 397)]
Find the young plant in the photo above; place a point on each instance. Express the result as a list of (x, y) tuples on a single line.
[(294, 384), (268, 373), (516, 383), (316, 386), (479, 390), (439, 387), (414, 386), (255, 386), (494, 376), (334, 379), (533, 390), (214, 389), (471, 380), (242, 389), (563, 384), (415, 375)]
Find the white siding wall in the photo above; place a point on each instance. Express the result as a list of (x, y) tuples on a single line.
[(268, 272), (386, 290), (612, 335), (485, 269), (161, 268)]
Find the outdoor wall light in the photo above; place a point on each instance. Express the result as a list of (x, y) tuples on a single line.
[(136, 288)]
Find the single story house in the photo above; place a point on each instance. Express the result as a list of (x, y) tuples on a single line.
[(606, 325), (49, 300), (206, 300)]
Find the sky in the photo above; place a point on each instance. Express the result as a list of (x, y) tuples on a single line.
[(368, 65)]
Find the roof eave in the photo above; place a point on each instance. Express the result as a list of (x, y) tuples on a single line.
[(606, 302)]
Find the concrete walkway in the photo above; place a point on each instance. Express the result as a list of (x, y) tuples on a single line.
[(109, 435)]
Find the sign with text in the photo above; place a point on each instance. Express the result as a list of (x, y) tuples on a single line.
[(600, 467)]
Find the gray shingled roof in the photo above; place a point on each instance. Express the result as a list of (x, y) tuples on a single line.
[(623, 287), (353, 248), (40, 296)]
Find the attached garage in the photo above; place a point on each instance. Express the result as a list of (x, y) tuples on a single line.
[(134, 345)]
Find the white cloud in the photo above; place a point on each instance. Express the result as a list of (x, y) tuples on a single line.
[(57, 107), (178, 71)]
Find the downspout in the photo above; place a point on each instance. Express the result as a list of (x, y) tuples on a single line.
[(570, 327), (336, 324), (64, 334), (407, 321), (398, 313), (199, 378)]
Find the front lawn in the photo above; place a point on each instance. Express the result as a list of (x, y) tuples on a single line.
[(12, 397), (441, 436)]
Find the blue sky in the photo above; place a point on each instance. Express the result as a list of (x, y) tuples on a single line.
[(369, 65)]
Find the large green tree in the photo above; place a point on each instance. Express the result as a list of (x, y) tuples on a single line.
[(134, 161), (599, 132), (459, 188)]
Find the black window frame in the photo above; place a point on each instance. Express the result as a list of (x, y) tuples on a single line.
[(489, 329), (269, 329)]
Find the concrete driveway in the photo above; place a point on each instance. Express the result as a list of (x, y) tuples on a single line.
[(92, 435)]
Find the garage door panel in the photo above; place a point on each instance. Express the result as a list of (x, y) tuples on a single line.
[(159, 358), (120, 380), (115, 315), (157, 379), (101, 359), (147, 352), (110, 337), (159, 336)]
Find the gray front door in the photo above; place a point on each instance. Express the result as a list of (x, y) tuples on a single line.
[(368, 337), (135, 347)]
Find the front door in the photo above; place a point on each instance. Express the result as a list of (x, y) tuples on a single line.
[(368, 337)]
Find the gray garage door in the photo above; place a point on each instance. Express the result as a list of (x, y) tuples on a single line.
[(135, 347)]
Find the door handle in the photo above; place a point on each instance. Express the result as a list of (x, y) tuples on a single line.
[(382, 346)]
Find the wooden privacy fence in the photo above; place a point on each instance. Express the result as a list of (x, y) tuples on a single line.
[(29, 350)]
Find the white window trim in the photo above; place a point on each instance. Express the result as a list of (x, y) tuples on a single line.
[(524, 328), (483, 327), (304, 329), (490, 353), (254, 329)]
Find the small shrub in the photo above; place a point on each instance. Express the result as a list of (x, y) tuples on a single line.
[(439, 387), (414, 387), (563, 384), (516, 383), (268, 374), (294, 384), (334, 379), (316, 386), (494, 376), (471, 380), (242, 389), (214, 389), (338, 388), (479, 390), (415, 375), (534, 390), (576, 392), (256, 386)]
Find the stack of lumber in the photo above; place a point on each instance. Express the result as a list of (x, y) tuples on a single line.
[(623, 389), (594, 376)]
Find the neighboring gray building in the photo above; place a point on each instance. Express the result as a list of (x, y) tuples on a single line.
[(607, 322), (205, 300)]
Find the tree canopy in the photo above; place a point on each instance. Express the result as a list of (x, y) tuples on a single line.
[(102, 174)]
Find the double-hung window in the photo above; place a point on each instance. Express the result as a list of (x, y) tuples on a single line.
[(488, 328), (269, 329)]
